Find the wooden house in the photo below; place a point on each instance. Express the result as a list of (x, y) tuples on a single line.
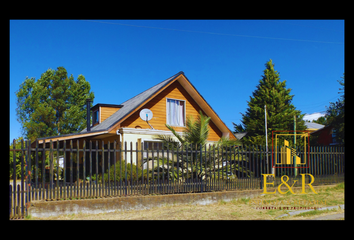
[(170, 102)]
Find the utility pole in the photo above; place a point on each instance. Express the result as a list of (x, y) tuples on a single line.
[(266, 132)]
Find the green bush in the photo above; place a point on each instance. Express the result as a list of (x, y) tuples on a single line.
[(128, 170)]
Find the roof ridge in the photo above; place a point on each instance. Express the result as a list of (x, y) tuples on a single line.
[(170, 78)]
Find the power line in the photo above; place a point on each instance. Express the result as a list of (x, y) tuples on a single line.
[(314, 104), (224, 34)]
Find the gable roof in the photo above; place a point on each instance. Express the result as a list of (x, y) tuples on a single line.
[(130, 105)]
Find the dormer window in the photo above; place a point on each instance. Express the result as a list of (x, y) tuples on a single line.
[(95, 117), (102, 111)]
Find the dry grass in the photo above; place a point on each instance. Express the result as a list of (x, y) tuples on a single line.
[(241, 209)]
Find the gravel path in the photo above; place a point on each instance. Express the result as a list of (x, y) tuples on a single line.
[(330, 217)]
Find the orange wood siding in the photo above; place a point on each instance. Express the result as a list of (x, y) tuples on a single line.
[(107, 111), (158, 107)]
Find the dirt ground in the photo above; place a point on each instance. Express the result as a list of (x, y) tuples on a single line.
[(266, 207)]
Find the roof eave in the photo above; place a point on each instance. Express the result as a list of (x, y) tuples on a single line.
[(70, 136), (210, 112)]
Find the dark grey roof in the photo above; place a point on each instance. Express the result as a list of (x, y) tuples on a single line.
[(130, 105)]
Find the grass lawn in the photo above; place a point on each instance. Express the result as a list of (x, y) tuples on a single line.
[(264, 207)]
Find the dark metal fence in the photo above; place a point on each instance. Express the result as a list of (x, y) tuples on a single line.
[(67, 170)]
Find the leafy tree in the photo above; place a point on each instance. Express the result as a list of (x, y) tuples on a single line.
[(55, 104), (280, 111), (196, 132), (321, 120), (19, 155), (199, 164), (17, 159), (335, 114)]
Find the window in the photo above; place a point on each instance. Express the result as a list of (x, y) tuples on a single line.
[(152, 144), (334, 136), (175, 112), (95, 118)]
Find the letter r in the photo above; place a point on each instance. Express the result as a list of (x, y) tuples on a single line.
[(303, 183)]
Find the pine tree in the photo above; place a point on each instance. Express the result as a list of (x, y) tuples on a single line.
[(280, 111), (53, 105)]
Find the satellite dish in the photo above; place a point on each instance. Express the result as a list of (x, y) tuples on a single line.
[(145, 114)]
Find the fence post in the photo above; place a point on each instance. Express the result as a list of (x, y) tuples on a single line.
[(115, 162), (84, 170), (58, 196), (103, 188), (131, 168), (77, 167), (51, 170), (125, 172), (136, 165), (28, 173), (254, 169), (201, 177), (260, 167), (10, 200), (36, 174), (90, 159), (205, 168), (209, 163), (14, 175), (96, 181), (71, 169), (108, 168), (64, 170)]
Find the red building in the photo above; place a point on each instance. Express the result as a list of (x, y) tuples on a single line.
[(325, 136)]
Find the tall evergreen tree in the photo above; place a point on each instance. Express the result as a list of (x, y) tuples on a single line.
[(53, 105), (280, 111)]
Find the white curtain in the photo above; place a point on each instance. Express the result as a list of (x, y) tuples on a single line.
[(175, 112), (180, 113)]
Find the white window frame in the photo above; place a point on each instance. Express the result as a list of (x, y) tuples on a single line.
[(184, 101)]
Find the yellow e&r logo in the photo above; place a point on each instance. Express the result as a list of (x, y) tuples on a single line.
[(285, 183), (288, 155)]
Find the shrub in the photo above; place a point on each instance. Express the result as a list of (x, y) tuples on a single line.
[(128, 170)]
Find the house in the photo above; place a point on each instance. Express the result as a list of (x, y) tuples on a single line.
[(170, 101), (324, 136), (321, 134)]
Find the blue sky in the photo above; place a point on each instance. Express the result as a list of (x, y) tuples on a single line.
[(224, 59)]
